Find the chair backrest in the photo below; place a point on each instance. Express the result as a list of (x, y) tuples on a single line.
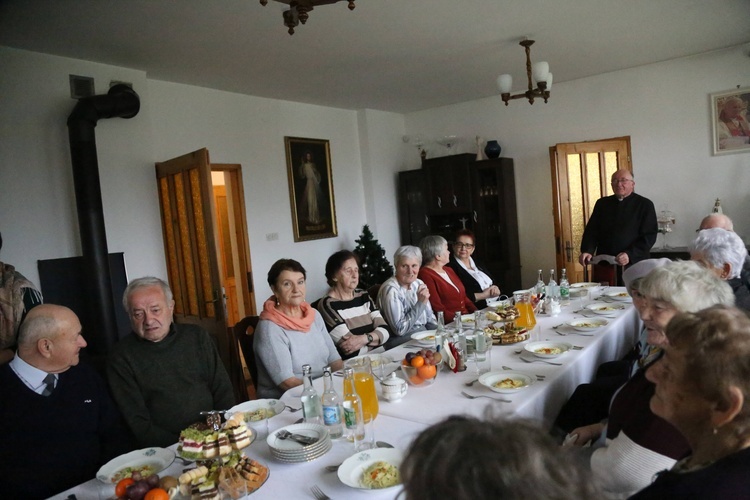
[(243, 333), (373, 292)]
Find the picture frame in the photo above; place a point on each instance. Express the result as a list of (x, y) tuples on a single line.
[(731, 127), (310, 188)]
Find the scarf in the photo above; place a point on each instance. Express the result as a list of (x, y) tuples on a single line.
[(274, 315)]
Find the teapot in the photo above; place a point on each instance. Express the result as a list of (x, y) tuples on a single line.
[(394, 388)]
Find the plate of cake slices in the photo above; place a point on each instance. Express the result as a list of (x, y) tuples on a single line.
[(200, 443)]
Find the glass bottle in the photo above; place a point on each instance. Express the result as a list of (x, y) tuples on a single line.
[(553, 292), (332, 409), (459, 343), (564, 288), (440, 332), (353, 418), (312, 410), (539, 287)]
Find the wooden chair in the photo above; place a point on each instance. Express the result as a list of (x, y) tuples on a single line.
[(243, 334), (373, 292)]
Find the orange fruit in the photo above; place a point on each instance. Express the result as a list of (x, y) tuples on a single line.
[(416, 380), (417, 361), (427, 371), (157, 494), (122, 485), (405, 363)]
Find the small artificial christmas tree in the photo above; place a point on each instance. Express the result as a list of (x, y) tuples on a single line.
[(374, 268)]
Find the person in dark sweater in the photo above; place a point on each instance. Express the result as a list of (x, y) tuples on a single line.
[(58, 423), (702, 385), (479, 284), (163, 375), (622, 225)]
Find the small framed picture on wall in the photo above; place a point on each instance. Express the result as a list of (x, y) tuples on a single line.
[(729, 117), (310, 188)]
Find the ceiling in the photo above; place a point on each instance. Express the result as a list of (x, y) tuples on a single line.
[(391, 55)]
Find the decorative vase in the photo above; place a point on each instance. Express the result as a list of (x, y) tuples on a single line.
[(492, 149)]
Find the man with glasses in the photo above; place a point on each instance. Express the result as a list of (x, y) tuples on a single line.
[(622, 225)]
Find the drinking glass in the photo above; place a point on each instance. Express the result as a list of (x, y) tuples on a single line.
[(366, 440), (232, 489), (364, 384)]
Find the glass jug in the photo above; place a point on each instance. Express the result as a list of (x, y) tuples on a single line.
[(364, 384), (522, 300)]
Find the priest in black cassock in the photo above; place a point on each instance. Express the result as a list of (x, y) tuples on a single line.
[(622, 225)]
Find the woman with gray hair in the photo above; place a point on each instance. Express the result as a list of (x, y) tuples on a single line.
[(447, 293), (702, 388), (724, 253), (635, 443), (404, 299)]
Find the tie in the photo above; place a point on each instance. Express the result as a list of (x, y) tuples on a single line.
[(49, 380)]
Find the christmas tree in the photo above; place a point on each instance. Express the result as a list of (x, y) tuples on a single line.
[(374, 268)]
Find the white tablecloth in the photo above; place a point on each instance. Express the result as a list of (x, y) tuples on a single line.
[(400, 422)]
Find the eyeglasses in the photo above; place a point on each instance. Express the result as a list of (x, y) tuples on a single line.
[(621, 181), (467, 246)]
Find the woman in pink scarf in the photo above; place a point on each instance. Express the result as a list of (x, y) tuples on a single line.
[(290, 334)]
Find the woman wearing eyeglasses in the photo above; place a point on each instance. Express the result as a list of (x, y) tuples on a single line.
[(351, 316), (479, 285)]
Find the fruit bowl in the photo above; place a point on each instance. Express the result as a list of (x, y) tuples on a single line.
[(423, 376)]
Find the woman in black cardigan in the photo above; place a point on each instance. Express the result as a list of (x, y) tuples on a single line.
[(476, 279)]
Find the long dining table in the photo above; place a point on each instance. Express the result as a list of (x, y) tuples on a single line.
[(400, 422)]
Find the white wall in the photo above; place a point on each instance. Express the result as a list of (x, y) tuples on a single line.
[(663, 107), (38, 217)]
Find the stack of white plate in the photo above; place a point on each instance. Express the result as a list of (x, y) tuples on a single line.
[(290, 451)]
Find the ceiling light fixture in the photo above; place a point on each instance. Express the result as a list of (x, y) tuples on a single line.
[(298, 10), (542, 76)]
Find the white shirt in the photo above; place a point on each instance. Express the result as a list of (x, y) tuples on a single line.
[(31, 376), (484, 281)]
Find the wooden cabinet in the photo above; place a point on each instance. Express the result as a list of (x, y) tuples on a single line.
[(495, 221), (481, 197), (449, 183)]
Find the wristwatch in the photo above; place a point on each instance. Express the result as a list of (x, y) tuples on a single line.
[(370, 339)]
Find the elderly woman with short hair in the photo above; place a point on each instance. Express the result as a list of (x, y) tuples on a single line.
[(447, 293), (290, 333), (724, 253), (638, 444), (404, 299), (702, 388), (353, 320)]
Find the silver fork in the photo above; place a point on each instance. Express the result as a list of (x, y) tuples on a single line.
[(538, 376), (540, 361), (318, 493), (471, 396)]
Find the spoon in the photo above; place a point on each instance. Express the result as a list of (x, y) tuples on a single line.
[(469, 384), (379, 444)]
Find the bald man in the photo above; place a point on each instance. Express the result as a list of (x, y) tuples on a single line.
[(716, 220), (622, 225), (57, 422)]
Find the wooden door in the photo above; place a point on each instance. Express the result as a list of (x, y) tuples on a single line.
[(191, 242), (581, 175)]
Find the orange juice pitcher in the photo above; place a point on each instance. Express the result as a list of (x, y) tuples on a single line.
[(364, 384), (522, 299)]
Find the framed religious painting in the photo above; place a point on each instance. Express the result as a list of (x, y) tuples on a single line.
[(730, 120), (310, 188)]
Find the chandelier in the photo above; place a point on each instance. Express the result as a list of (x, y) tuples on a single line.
[(298, 10), (542, 76)]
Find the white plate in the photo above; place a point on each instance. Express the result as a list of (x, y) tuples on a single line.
[(350, 472), (248, 406), (311, 430), (158, 458), (586, 284), (535, 348), (489, 379), (606, 309), (588, 324), (426, 338), (619, 295)]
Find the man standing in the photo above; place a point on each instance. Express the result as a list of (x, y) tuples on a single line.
[(622, 225), (58, 424), (163, 375)]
